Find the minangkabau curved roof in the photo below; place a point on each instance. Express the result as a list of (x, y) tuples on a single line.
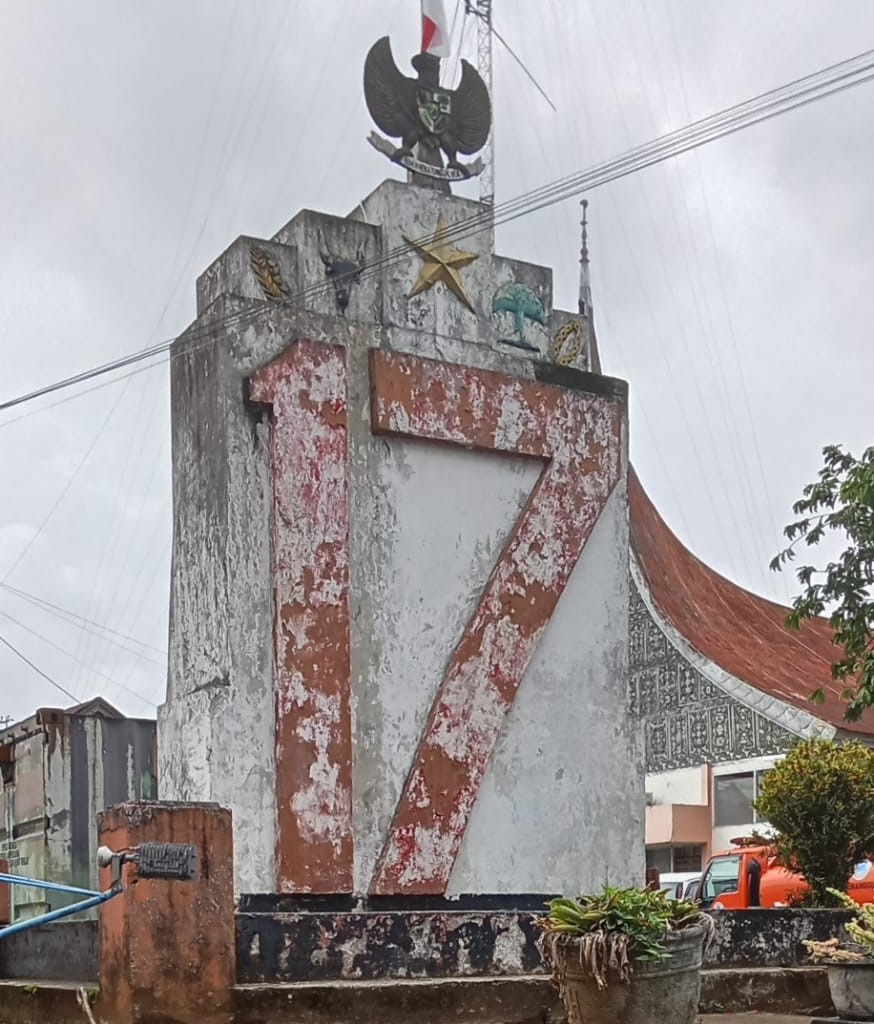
[(741, 633)]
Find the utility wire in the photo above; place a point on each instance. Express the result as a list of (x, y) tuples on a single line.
[(73, 618), (38, 671), (72, 657), (819, 85)]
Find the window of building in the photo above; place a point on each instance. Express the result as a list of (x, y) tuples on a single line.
[(659, 857), (687, 858), (733, 797), (674, 858)]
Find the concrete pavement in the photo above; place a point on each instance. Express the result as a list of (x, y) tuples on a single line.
[(753, 1018)]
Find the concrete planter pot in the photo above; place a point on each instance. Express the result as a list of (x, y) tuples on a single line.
[(852, 989), (663, 992)]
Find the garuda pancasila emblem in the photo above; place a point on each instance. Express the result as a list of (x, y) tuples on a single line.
[(424, 115)]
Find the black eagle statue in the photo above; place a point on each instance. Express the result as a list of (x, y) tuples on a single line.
[(421, 113)]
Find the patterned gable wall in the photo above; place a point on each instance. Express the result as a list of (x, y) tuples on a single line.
[(687, 721)]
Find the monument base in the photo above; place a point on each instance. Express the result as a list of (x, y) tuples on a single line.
[(325, 939)]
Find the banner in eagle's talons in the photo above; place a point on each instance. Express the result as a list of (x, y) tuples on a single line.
[(470, 170)]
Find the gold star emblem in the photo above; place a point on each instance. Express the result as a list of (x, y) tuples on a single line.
[(441, 263)]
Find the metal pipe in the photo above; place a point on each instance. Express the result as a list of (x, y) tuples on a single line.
[(54, 915), (53, 886)]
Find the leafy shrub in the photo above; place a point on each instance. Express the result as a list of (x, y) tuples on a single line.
[(840, 502), (613, 929), (820, 800), (860, 930)]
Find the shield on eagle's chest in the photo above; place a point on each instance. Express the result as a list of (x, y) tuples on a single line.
[(434, 106)]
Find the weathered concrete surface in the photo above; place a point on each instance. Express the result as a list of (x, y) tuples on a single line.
[(36, 1001), (428, 522), (167, 945), (384, 945), (784, 989), (62, 951), (480, 1000), (297, 939), (306, 391), (771, 938), (578, 437), (477, 1001), (754, 1018)]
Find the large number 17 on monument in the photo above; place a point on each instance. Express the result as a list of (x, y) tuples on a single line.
[(576, 435)]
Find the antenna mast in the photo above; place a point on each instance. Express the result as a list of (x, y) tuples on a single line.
[(482, 10)]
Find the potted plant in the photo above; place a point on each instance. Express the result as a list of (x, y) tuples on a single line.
[(850, 962), (625, 956)]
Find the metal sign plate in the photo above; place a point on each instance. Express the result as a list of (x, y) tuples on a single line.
[(167, 860)]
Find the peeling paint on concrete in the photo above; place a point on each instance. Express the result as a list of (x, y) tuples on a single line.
[(569, 431), (383, 945), (429, 518), (306, 390)]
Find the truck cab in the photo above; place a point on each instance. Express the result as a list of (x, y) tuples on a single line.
[(729, 879), (750, 876)]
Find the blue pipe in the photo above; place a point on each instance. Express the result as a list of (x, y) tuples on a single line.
[(54, 886), (54, 915)]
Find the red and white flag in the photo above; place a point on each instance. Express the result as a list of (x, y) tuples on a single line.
[(435, 28)]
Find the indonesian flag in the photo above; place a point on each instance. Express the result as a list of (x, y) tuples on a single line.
[(435, 28)]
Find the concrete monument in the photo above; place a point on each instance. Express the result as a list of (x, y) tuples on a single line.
[(399, 597)]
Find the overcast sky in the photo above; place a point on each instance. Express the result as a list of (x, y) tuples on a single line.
[(732, 286)]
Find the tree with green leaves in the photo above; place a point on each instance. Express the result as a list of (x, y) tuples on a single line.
[(840, 502), (820, 800)]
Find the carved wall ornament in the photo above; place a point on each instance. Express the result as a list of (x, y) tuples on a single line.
[(567, 343), (522, 304), (440, 262), (342, 273), (269, 276), (686, 720)]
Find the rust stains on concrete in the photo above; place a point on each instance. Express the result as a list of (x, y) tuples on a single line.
[(578, 437), (306, 390), (167, 947)]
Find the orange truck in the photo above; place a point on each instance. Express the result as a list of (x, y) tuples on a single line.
[(749, 876)]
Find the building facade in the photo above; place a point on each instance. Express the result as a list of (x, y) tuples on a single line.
[(59, 768), (721, 689)]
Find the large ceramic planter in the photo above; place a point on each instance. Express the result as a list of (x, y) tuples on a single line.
[(852, 989), (661, 992)]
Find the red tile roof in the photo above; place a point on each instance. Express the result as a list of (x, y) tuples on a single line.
[(743, 634)]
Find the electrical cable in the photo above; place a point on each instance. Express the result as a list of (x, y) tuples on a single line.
[(38, 671), (755, 111), (62, 650), (729, 319), (700, 440), (694, 273), (74, 619)]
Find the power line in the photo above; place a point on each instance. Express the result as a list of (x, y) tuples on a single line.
[(73, 618), (38, 671), (72, 657), (765, 106)]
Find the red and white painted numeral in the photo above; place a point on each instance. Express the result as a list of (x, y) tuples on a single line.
[(578, 436), (306, 389)]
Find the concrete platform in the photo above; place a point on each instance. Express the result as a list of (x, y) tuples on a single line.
[(752, 1018), (832, 1020), (473, 1001)]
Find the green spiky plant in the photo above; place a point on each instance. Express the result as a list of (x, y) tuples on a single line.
[(860, 930), (613, 929)]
